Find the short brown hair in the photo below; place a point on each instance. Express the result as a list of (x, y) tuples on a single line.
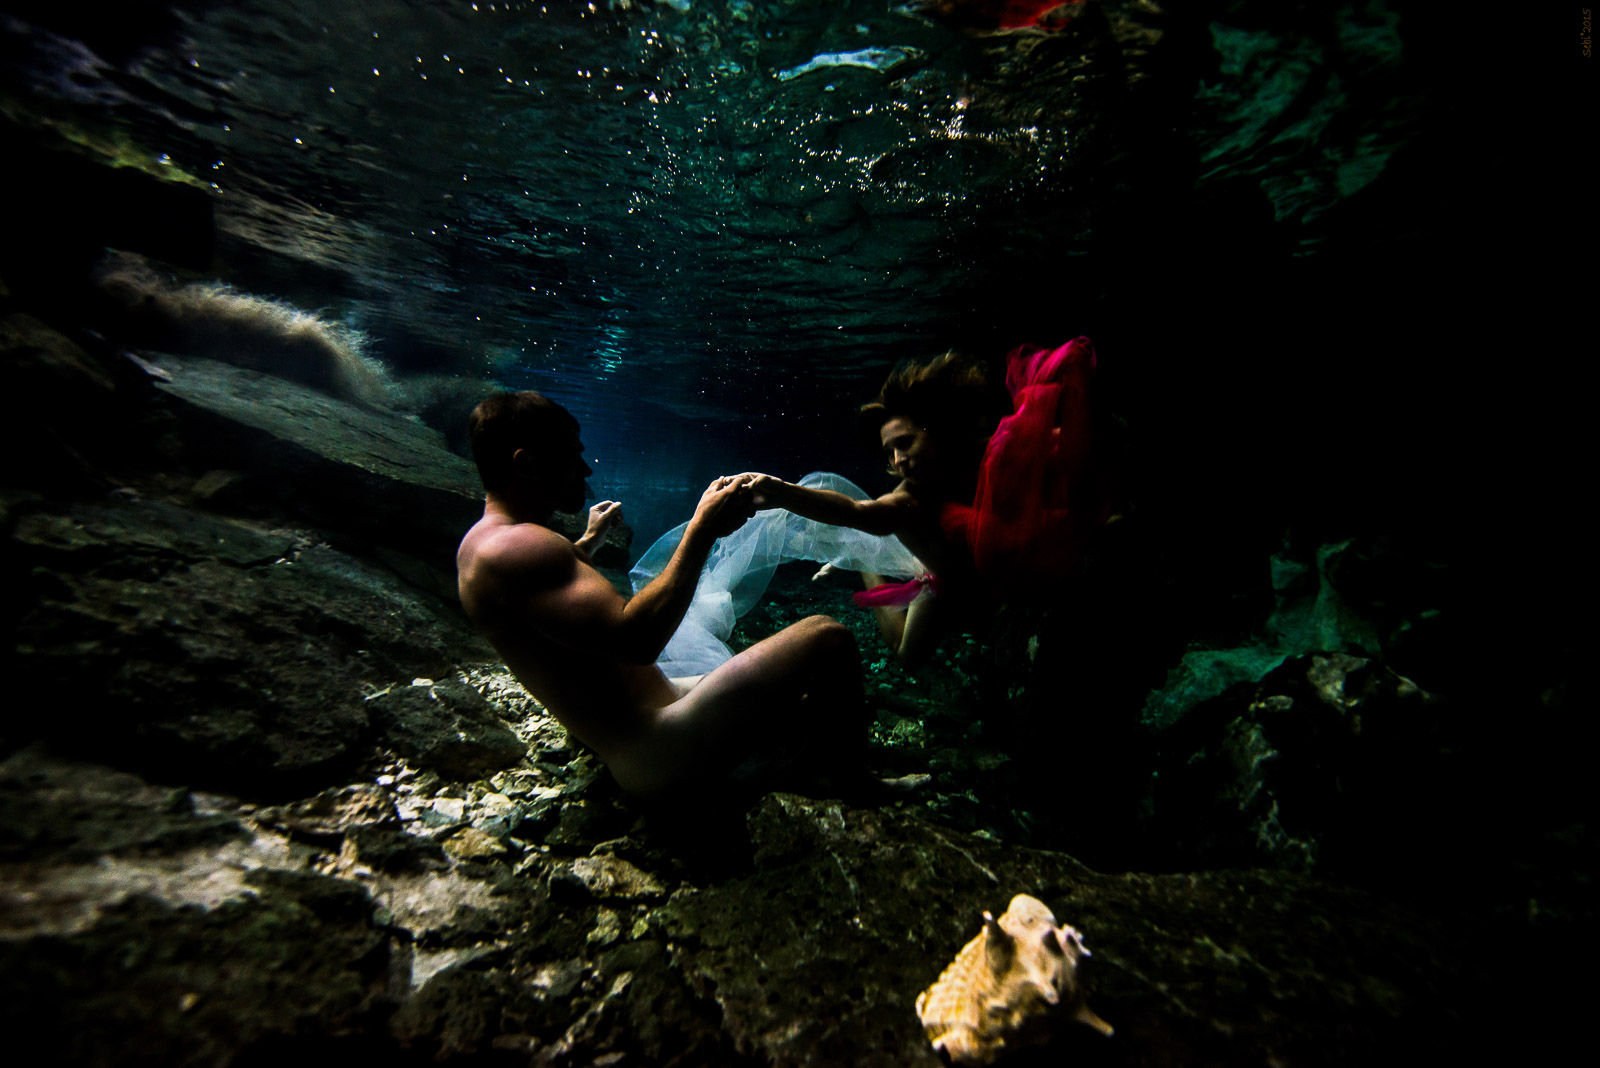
[(506, 422)]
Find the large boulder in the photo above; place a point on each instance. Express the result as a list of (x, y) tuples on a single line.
[(42, 372), (338, 464), (1332, 763), (301, 962), (376, 475), (209, 650), (1312, 613)]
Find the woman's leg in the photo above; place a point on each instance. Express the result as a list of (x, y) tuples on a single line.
[(923, 627), (891, 619), (911, 632)]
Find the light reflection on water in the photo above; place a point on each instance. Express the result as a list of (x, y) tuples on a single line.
[(622, 191), (628, 207)]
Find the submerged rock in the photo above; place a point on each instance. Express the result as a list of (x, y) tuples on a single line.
[(1311, 615), (208, 650), (810, 952), (38, 367), (300, 961), (146, 307), (1329, 764), (376, 475), (338, 464), (40, 361), (609, 877), (446, 726), (333, 813), (52, 811), (817, 956), (469, 843)]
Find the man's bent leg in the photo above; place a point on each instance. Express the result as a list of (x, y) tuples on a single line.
[(797, 692)]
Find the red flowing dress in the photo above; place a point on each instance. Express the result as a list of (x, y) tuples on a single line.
[(1038, 503)]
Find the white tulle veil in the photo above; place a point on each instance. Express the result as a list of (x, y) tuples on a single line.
[(741, 565)]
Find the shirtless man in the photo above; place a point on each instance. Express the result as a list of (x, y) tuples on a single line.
[(588, 654)]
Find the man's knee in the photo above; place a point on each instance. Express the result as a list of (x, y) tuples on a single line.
[(827, 629), (827, 636)]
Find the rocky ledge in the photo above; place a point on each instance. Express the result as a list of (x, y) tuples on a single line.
[(533, 917), (281, 799)]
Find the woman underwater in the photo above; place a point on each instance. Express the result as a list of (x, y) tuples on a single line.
[(990, 511), (984, 511)]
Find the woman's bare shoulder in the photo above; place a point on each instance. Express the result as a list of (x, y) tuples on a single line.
[(905, 498)]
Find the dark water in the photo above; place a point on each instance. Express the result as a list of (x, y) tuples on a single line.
[(1334, 259), (630, 205)]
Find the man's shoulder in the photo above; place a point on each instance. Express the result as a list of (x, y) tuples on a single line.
[(514, 547)]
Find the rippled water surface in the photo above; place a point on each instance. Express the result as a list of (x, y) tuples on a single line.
[(692, 216)]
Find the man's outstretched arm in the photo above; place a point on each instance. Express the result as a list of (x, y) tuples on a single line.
[(575, 606)]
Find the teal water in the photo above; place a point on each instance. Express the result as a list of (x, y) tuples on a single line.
[(659, 213)]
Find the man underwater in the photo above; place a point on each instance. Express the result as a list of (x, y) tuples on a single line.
[(588, 654)]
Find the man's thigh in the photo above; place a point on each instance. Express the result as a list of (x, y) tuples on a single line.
[(755, 711), (773, 676)]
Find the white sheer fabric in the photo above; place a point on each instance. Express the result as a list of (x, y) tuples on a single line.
[(740, 566)]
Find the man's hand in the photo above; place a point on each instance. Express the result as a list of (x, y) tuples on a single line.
[(765, 490), (601, 518), (724, 506)]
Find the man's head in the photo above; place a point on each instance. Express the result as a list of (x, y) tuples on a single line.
[(527, 444)]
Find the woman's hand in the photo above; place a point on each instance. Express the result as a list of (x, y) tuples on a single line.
[(765, 490)]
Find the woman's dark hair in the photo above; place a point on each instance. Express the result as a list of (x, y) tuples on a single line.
[(506, 422), (950, 396)]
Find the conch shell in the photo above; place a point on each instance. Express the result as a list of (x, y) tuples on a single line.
[(1009, 987)]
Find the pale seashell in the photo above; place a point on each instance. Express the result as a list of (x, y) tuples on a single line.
[(1011, 986)]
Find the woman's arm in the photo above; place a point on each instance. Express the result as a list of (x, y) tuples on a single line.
[(885, 515)]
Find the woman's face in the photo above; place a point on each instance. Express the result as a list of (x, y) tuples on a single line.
[(909, 450)]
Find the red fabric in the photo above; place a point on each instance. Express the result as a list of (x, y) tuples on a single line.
[(1004, 14), (1035, 508), (898, 594), (1017, 14)]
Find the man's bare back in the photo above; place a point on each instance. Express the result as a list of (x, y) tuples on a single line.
[(521, 581), (588, 654)]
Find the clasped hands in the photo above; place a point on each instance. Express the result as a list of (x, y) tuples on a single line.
[(732, 499), (724, 507)]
